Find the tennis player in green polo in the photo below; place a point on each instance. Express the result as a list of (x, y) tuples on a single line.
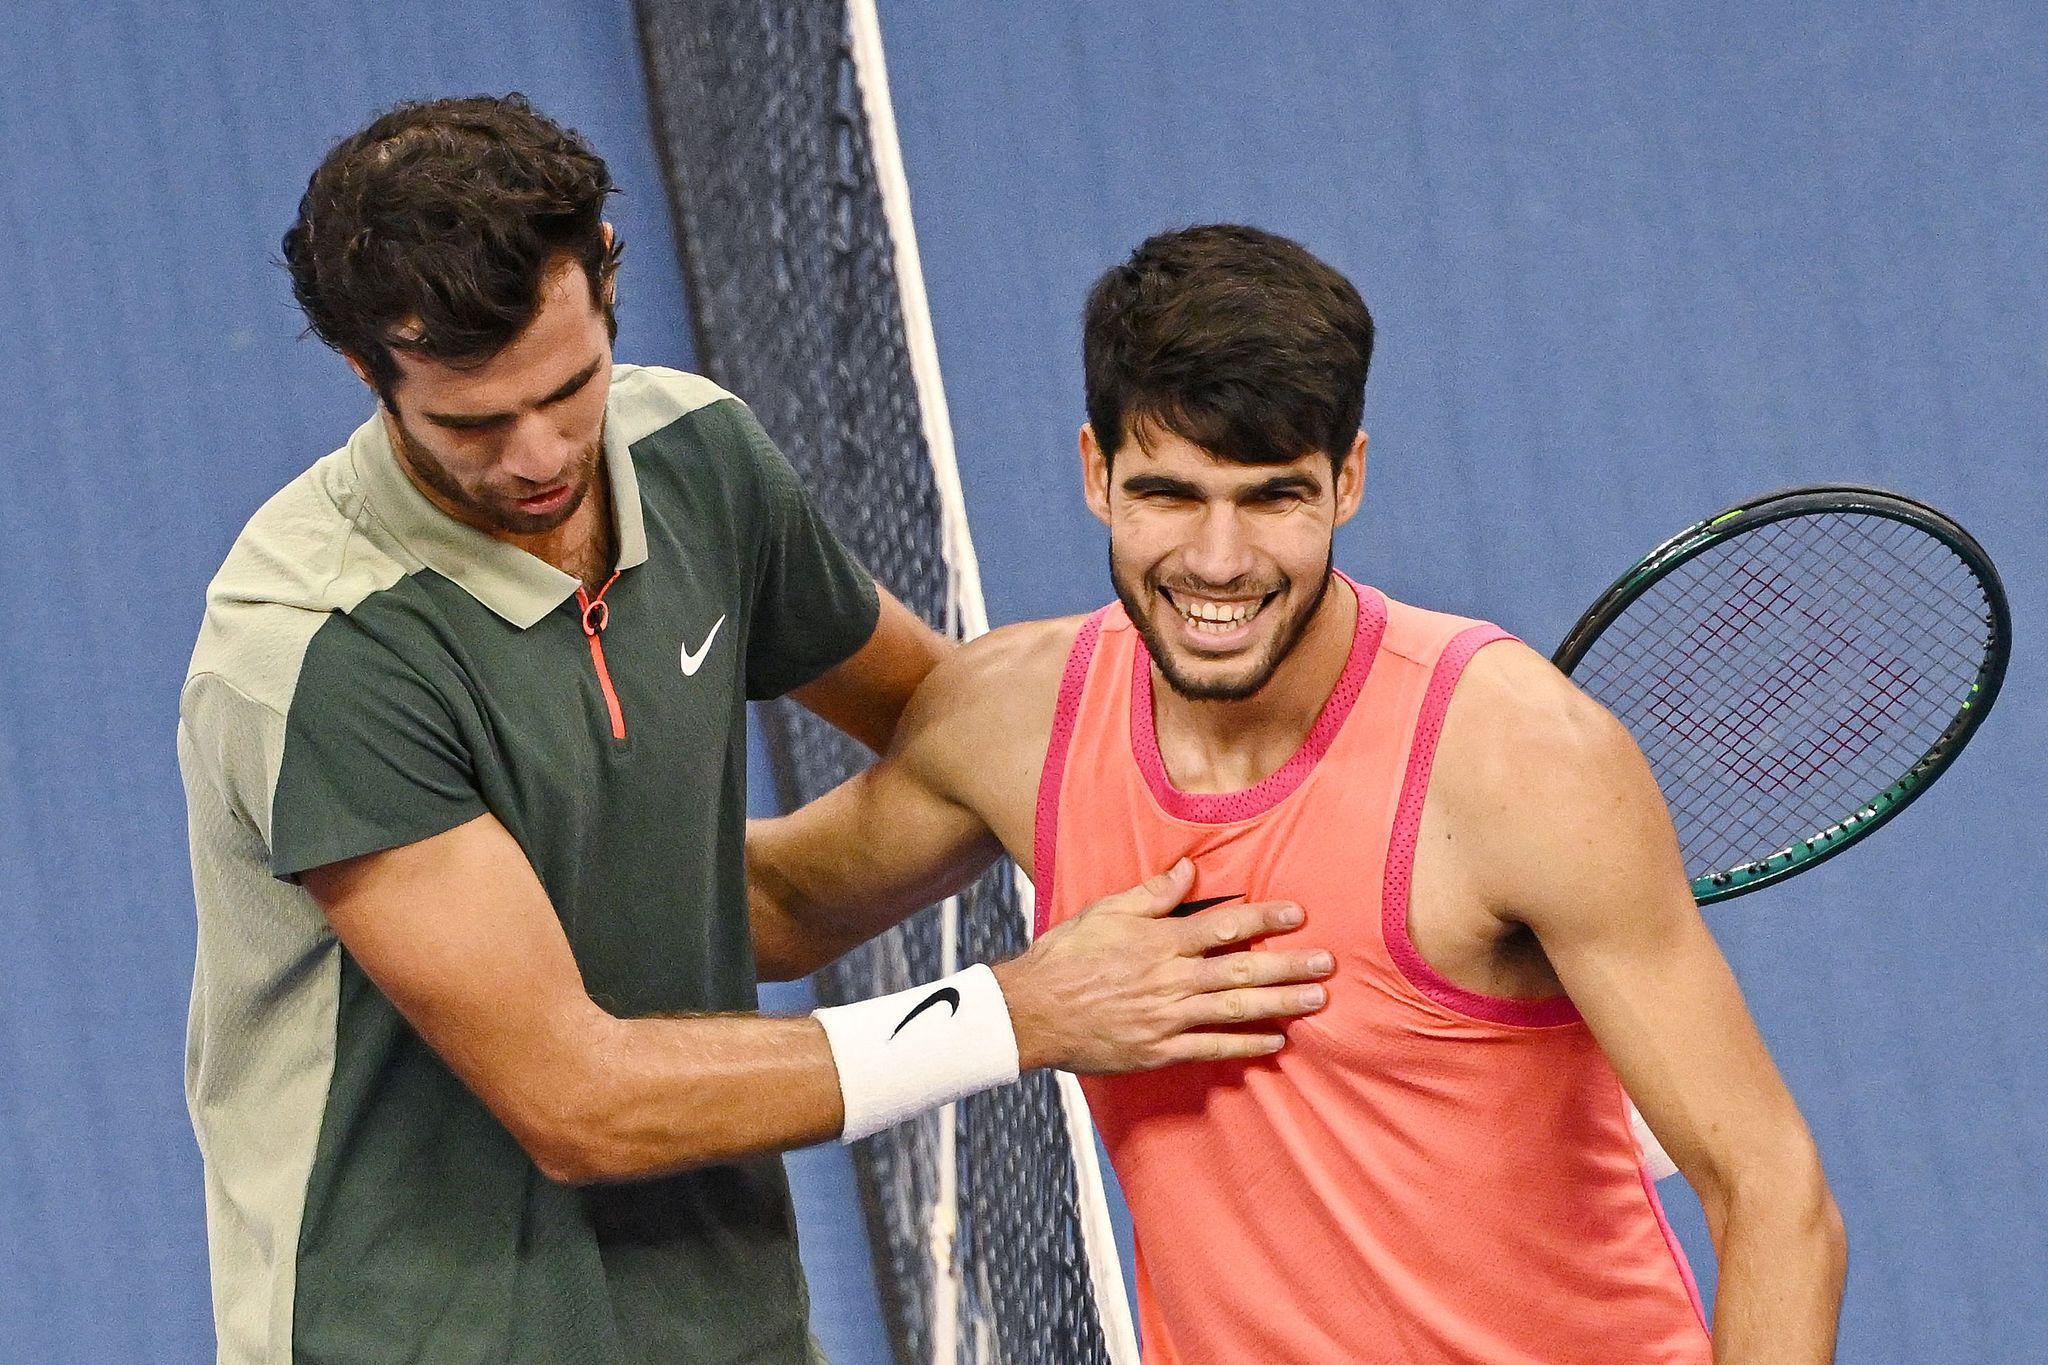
[(472, 1059)]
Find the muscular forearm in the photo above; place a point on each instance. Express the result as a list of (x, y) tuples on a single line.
[(827, 879), (795, 931), (640, 1097), (1782, 1263), (1123, 986), (788, 941)]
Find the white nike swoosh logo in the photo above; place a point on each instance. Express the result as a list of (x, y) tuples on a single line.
[(694, 661)]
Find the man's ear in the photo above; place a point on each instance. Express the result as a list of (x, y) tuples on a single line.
[(1351, 479), (355, 362), (1094, 474)]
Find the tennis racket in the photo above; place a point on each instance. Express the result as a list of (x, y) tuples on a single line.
[(1797, 670)]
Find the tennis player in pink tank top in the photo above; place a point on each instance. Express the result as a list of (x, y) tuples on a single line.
[(1437, 1165)]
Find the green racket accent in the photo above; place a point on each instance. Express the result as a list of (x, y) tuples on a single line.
[(1797, 669), (1720, 886)]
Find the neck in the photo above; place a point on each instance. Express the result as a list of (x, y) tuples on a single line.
[(1225, 746), (585, 545)]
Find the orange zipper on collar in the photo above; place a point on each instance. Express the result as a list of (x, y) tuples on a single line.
[(596, 615)]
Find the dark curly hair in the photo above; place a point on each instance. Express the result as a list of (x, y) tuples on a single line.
[(433, 229), (1234, 338)]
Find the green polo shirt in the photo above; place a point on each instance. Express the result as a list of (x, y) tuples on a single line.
[(370, 673)]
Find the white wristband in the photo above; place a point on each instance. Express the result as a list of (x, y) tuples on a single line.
[(899, 1055)]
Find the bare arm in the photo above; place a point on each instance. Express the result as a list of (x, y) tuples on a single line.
[(958, 781), (851, 864), (458, 933), (865, 695), (1576, 844)]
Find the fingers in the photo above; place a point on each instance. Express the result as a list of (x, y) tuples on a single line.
[(1216, 1047), (1239, 970), (1225, 925), (1156, 896), (1243, 1006), (1165, 890), (1129, 986), (1236, 992)]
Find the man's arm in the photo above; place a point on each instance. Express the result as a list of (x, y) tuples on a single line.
[(1575, 843), (958, 783), (957, 786), (458, 933), (865, 695)]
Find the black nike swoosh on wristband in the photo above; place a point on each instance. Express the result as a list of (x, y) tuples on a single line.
[(1195, 907), (944, 995)]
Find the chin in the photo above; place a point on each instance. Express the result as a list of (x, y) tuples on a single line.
[(1199, 679)]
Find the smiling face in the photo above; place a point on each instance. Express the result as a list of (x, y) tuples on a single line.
[(1222, 566), (512, 446)]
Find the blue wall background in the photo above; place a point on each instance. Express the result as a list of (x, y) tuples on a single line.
[(1629, 265)]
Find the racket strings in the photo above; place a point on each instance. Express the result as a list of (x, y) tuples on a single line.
[(1781, 680)]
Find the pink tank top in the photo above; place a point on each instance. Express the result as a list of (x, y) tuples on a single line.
[(1423, 1174)]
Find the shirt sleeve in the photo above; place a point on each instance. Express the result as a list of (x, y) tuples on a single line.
[(814, 605), (375, 754)]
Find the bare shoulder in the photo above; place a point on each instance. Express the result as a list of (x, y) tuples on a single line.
[(1023, 660), (1001, 679), (978, 726), (1516, 719), (1543, 783)]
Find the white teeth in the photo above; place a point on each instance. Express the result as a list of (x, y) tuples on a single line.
[(1218, 615)]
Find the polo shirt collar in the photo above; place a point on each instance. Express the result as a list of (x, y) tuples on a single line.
[(520, 587)]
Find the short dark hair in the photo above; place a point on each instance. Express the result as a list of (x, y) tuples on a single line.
[(1231, 337), (434, 229)]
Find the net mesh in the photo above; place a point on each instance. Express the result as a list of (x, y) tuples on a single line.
[(1784, 678), (758, 117)]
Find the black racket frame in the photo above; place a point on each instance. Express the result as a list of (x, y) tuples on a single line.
[(1809, 500)]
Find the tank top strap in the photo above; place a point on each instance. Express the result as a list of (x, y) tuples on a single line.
[(1066, 715)]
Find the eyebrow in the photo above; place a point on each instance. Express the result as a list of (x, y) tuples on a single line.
[(1140, 485), (1284, 483), (461, 420)]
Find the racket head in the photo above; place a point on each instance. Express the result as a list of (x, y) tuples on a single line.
[(1792, 611)]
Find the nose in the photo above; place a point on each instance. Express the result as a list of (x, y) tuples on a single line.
[(537, 451), (1220, 552)]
